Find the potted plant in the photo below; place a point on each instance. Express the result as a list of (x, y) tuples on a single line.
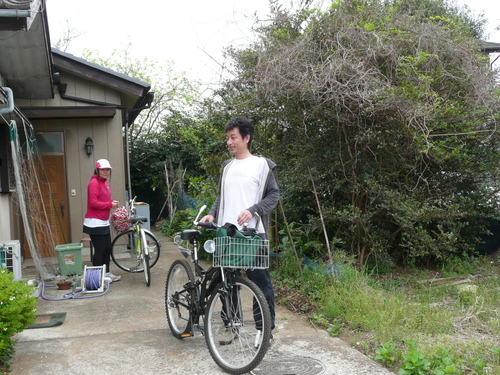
[(63, 284), (67, 282)]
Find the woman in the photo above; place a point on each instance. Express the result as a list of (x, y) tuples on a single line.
[(96, 222)]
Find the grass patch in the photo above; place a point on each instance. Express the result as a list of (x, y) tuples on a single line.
[(412, 321)]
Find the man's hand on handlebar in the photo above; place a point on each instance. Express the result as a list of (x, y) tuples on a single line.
[(207, 222), (244, 218), (207, 219)]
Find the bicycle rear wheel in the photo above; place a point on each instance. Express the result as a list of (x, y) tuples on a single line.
[(238, 326), (124, 255), (179, 299)]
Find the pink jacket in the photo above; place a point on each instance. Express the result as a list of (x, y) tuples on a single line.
[(98, 199)]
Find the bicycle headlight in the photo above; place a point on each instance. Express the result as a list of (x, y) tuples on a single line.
[(177, 239), (209, 246)]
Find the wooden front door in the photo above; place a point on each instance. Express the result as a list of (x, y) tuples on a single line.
[(54, 209)]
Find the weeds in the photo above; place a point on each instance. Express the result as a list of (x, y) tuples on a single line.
[(414, 363), (385, 354), (456, 324), (497, 352)]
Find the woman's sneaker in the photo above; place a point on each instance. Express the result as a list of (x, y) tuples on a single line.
[(113, 277)]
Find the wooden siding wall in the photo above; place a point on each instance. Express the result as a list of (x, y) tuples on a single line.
[(108, 144)]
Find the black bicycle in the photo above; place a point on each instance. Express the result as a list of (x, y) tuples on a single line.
[(237, 322)]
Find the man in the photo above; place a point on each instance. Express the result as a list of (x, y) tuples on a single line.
[(247, 186)]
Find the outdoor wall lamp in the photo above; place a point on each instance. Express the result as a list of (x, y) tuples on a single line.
[(89, 146)]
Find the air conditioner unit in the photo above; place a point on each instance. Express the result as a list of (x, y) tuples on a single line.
[(10, 257)]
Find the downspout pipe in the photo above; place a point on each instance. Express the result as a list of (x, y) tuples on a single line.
[(14, 13), (127, 157), (10, 101)]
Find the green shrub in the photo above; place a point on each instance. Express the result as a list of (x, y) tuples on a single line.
[(385, 354), (182, 220), (456, 325), (17, 311), (415, 363)]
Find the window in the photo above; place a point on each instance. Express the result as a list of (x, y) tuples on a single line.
[(50, 142)]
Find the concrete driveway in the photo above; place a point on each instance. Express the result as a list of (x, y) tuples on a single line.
[(125, 331)]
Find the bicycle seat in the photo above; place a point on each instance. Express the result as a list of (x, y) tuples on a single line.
[(190, 233), (139, 218)]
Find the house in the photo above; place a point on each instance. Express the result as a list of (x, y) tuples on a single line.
[(77, 111), (492, 49)]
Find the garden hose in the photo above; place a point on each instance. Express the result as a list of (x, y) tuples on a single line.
[(92, 283)]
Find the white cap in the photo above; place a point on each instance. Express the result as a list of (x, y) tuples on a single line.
[(102, 164)]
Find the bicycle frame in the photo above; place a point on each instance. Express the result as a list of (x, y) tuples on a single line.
[(140, 243), (139, 234), (141, 239), (206, 281)]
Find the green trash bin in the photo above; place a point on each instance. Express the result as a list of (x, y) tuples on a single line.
[(69, 257)]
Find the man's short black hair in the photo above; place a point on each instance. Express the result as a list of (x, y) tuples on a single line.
[(244, 126)]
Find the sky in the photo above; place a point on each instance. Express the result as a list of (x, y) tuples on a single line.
[(491, 9), (191, 34)]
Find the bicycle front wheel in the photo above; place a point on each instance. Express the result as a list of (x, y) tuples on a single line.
[(147, 272), (238, 326), (179, 297), (145, 258), (153, 247)]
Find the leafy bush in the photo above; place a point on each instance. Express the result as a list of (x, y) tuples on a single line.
[(17, 311), (182, 220)]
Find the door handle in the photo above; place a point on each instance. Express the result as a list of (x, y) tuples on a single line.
[(62, 209)]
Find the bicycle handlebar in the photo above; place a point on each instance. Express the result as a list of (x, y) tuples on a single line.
[(209, 225), (212, 225), (131, 206), (131, 202)]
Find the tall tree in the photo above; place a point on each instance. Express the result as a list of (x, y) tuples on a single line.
[(395, 109)]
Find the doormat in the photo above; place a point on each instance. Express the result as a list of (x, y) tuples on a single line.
[(48, 320)]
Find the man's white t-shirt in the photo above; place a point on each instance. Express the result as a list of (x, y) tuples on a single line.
[(242, 187)]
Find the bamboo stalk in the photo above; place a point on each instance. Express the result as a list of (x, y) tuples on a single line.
[(322, 219), (299, 263)]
